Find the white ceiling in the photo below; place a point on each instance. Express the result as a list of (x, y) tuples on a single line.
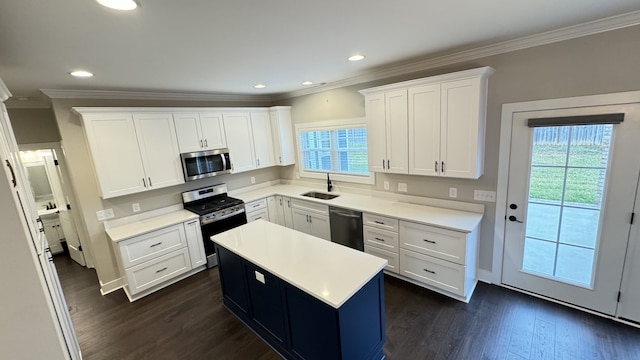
[(225, 47)]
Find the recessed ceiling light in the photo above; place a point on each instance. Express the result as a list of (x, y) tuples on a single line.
[(81, 74), (307, 82), (119, 4), (259, 86), (357, 57)]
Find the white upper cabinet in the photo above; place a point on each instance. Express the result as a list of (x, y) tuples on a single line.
[(284, 150), (237, 126), (387, 131), (132, 153), (159, 149), (441, 125), (199, 131), (262, 139), (115, 153)]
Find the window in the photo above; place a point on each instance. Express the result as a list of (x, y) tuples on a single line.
[(338, 147)]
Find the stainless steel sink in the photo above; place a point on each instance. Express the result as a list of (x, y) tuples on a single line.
[(319, 195)]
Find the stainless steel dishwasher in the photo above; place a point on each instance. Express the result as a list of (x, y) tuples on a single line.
[(346, 227)]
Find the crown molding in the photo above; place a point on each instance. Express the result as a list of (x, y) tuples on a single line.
[(549, 37), (35, 102), (143, 95)]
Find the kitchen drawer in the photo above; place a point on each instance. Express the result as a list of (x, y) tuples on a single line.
[(441, 243), (383, 239), (256, 205), (392, 258), (148, 246), (381, 222), (148, 274), (310, 206), (426, 269), (257, 215)]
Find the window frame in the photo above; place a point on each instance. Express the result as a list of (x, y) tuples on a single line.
[(332, 125)]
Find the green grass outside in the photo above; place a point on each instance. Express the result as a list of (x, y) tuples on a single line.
[(583, 185)]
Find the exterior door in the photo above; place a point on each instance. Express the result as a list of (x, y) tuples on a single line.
[(569, 206), (629, 307)]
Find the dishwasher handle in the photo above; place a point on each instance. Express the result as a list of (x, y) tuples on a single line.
[(344, 214)]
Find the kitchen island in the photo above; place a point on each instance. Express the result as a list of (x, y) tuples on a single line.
[(306, 297)]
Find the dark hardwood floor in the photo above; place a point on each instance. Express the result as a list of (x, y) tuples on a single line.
[(187, 321)]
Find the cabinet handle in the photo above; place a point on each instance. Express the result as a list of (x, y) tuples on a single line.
[(258, 218), (429, 271), (206, 144), (442, 167), (383, 164), (156, 244), (289, 203), (192, 222), (201, 144), (435, 167), (150, 184), (429, 241), (310, 219), (161, 270), (13, 175), (388, 165), (379, 239), (378, 222), (144, 182), (258, 161), (280, 201), (280, 157)]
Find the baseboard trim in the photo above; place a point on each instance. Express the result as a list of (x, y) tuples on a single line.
[(111, 286)]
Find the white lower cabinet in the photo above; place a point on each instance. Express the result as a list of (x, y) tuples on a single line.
[(153, 272), (156, 259), (311, 218), (426, 269), (392, 258), (380, 235), (257, 210), (53, 232)]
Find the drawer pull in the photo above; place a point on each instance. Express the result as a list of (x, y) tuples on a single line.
[(378, 222), (379, 239), (429, 241), (429, 271), (258, 218), (156, 244), (256, 205), (161, 270)]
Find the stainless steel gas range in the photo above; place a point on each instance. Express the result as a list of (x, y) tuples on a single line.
[(218, 212)]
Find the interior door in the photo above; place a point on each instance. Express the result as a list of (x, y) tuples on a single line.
[(569, 209)]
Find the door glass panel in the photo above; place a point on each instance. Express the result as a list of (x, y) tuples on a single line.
[(566, 186)]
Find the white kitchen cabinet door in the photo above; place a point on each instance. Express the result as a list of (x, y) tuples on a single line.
[(387, 131), (319, 226), (288, 211), (301, 220), (239, 141), (212, 130), (275, 214), (397, 127), (115, 153), (262, 139), (195, 243), (376, 132), (284, 150), (462, 129), (424, 130), (188, 132), (159, 149)]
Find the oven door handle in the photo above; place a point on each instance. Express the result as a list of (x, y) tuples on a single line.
[(224, 162), (209, 221)]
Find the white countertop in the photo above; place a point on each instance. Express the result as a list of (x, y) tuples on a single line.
[(329, 272), (136, 227), (464, 221)]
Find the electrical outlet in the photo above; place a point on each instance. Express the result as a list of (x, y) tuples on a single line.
[(253, 179), (101, 215), (402, 187), (482, 195), (386, 185), (453, 192), (136, 207), (259, 277), (109, 213)]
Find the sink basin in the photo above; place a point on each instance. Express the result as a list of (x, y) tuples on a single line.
[(319, 195)]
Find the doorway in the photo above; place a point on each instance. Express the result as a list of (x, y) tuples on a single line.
[(569, 198), (51, 194)]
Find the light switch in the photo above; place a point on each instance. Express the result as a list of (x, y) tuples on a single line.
[(259, 277), (453, 192), (386, 185), (135, 207)]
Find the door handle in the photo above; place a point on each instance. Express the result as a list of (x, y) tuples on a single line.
[(442, 167), (513, 218), (435, 167), (144, 182), (205, 143), (13, 174), (383, 165), (150, 185), (201, 144), (388, 166)]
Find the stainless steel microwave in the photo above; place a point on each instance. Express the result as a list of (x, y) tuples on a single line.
[(202, 164)]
